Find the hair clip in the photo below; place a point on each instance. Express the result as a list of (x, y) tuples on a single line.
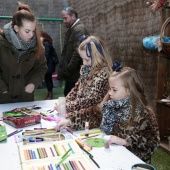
[(66, 8), (98, 47), (83, 38), (116, 66)]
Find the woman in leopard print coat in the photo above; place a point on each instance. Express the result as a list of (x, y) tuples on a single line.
[(91, 87)]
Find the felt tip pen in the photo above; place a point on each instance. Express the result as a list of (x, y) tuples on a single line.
[(39, 128), (94, 161), (89, 154), (35, 140)]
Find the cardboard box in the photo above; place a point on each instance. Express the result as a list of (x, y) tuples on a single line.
[(21, 117)]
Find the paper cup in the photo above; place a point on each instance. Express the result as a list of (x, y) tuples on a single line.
[(61, 106)]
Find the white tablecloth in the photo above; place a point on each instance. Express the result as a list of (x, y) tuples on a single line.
[(115, 158)]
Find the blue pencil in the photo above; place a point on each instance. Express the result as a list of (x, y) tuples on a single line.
[(51, 166), (17, 131)]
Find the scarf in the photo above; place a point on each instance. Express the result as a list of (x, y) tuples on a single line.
[(114, 112), (85, 71), (20, 46)]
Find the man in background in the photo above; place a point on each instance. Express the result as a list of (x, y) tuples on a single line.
[(70, 62)]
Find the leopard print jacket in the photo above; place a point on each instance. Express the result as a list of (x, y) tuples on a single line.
[(81, 102), (143, 134)]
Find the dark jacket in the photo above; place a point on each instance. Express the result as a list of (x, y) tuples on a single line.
[(70, 62), (16, 73), (49, 57)]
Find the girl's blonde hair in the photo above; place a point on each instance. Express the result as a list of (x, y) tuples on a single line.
[(97, 51), (132, 81)]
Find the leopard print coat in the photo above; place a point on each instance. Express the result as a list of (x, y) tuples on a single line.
[(142, 135), (81, 102)]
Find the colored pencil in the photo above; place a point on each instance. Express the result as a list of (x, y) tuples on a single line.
[(52, 152), (75, 163), (82, 165), (51, 166), (15, 138), (58, 151), (66, 153), (64, 148), (12, 133), (70, 148), (62, 160), (15, 132)]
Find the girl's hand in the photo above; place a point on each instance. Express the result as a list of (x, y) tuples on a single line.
[(117, 140), (56, 107), (62, 124)]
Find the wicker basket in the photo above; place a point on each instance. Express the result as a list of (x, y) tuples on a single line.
[(165, 45)]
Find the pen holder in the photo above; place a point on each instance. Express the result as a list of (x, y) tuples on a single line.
[(142, 166)]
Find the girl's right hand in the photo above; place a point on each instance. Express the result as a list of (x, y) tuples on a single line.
[(62, 124), (56, 107)]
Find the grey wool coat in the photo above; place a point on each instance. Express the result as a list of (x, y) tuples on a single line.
[(16, 73)]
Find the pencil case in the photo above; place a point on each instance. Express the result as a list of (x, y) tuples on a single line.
[(3, 133), (21, 117)]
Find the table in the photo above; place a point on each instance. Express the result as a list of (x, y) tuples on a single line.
[(115, 158)]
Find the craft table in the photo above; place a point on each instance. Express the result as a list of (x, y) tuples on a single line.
[(115, 158)]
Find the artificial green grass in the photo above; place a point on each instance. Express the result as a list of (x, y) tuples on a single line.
[(160, 159), (40, 94)]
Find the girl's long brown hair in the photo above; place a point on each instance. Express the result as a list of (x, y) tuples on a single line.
[(132, 81), (24, 13)]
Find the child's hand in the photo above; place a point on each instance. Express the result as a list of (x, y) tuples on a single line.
[(117, 140), (62, 124), (56, 107)]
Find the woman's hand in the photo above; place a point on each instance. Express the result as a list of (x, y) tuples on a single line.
[(29, 88), (62, 124), (117, 140)]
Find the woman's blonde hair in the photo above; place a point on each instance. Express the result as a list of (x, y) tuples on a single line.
[(97, 51)]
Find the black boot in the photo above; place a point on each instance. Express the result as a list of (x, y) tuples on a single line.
[(49, 96)]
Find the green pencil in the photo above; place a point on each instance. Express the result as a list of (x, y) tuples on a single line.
[(61, 160), (66, 153)]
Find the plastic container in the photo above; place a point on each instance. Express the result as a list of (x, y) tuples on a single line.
[(142, 166)]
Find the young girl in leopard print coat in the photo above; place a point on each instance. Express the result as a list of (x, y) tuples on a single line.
[(91, 87), (127, 117)]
